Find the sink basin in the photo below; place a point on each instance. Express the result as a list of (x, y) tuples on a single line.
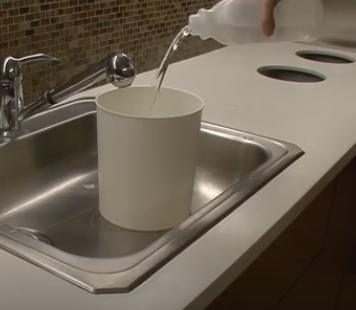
[(49, 198)]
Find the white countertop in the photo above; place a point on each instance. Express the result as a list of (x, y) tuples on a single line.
[(320, 118)]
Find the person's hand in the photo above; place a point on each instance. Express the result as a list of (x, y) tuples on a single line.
[(267, 22)]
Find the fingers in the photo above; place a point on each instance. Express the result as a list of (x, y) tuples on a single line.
[(268, 23)]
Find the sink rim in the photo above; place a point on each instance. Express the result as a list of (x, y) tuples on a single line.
[(280, 155)]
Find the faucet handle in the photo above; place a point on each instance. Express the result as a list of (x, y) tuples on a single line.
[(11, 66), (36, 57)]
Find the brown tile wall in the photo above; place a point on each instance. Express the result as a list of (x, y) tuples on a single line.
[(80, 32)]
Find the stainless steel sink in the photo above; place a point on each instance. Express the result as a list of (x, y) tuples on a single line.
[(49, 198)]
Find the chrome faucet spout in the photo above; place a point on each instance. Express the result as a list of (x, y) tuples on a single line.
[(117, 69)]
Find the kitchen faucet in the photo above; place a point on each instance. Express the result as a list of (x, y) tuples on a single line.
[(117, 69)]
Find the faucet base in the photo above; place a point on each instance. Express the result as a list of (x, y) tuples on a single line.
[(11, 134)]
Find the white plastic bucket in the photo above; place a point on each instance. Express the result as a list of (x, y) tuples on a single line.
[(147, 157)]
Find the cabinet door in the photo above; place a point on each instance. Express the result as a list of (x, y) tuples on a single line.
[(331, 279), (340, 243), (318, 288), (270, 277)]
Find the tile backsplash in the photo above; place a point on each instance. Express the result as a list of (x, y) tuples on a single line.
[(80, 32)]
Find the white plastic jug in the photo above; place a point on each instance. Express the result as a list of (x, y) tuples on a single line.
[(239, 21)]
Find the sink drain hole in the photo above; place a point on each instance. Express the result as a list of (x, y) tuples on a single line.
[(291, 74), (35, 234), (325, 57)]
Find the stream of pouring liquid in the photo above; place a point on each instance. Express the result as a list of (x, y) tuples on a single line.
[(161, 73)]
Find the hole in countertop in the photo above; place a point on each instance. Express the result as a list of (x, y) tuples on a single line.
[(291, 74), (325, 57)]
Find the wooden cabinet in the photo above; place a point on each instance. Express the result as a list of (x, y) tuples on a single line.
[(329, 280), (270, 277), (305, 267), (341, 237)]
